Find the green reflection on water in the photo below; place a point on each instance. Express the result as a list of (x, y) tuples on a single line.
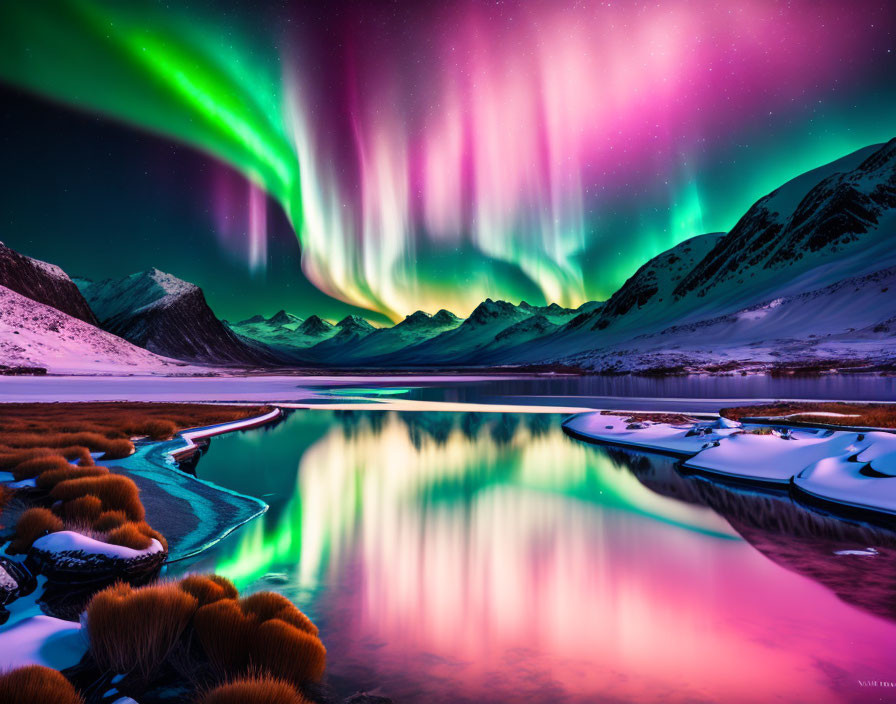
[(353, 476)]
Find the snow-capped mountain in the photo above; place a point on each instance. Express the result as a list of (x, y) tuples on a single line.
[(791, 285), (279, 329), (34, 335), (170, 317), (42, 282)]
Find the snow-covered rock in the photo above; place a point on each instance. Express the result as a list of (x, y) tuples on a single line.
[(68, 556)]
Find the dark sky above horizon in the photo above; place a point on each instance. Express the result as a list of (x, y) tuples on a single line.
[(384, 157)]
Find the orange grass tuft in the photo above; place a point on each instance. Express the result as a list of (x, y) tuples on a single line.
[(110, 520), (149, 532), (208, 588), (224, 631), (118, 449), (83, 510), (38, 465), (118, 493), (51, 477), (134, 630), (157, 429), (285, 651), (32, 524), (268, 605), (35, 684), (254, 690), (129, 536)]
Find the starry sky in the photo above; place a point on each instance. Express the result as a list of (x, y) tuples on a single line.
[(386, 157)]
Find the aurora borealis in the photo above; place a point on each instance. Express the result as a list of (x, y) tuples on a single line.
[(432, 155)]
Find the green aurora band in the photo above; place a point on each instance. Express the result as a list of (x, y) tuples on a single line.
[(534, 219)]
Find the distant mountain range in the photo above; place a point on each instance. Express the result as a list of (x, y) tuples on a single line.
[(804, 280)]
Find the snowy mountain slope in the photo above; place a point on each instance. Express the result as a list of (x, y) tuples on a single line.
[(43, 282), (169, 316), (849, 323), (36, 335), (842, 207), (348, 332)]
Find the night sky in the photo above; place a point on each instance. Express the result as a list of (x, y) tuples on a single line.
[(393, 156)]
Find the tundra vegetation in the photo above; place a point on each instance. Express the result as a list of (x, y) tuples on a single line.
[(198, 631)]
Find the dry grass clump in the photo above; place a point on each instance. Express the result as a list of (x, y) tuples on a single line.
[(872, 415), (118, 493), (254, 690), (109, 520), (39, 440), (33, 524), (47, 479), (29, 469), (288, 652), (223, 631), (134, 630), (35, 684), (282, 640), (84, 510), (117, 419), (268, 605), (209, 588), (128, 536)]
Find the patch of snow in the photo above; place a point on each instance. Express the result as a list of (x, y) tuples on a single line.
[(685, 439), (771, 458), (70, 541), (880, 453), (838, 480), (42, 640)]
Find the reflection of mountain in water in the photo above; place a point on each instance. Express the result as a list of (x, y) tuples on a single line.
[(438, 426), (855, 560)]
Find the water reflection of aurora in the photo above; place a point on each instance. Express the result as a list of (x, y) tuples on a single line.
[(396, 477)]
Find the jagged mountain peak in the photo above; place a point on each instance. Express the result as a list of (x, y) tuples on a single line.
[(281, 317), (257, 318), (315, 325), (416, 318), (445, 317), (490, 310), (354, 322)]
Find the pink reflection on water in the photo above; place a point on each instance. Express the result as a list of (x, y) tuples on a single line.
[(524, 596)]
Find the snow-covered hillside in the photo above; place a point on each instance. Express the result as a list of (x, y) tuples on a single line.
[(36, 335), (43, 282)]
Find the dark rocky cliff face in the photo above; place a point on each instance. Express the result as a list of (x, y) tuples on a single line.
[(184, 327), (833, 214), (44, 283)]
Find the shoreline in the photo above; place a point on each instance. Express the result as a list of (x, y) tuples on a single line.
[(793, 473)]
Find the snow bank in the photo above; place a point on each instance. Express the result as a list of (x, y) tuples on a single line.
[(771, 458), (845, 467), (66, 541), (880, 453), (685, 439), (846, 479), (42, 640)]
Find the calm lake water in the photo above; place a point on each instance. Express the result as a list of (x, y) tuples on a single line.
[(473, 557)]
